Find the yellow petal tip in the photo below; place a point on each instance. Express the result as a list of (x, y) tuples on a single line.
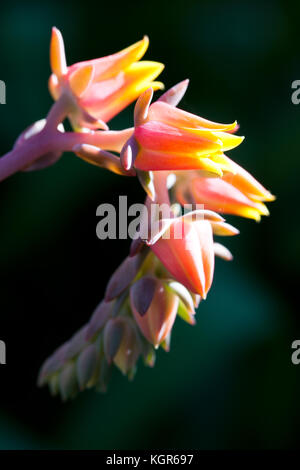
[(157, 86)]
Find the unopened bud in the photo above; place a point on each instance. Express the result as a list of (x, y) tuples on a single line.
[(123, 276), (98, 319), (68, 385), (86, 365), (112, 337), (77, 343), (157, 320), (129, 349)]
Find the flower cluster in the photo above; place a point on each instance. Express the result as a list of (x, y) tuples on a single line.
[(179, 158)]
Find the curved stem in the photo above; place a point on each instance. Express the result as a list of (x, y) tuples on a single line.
[(160, 208), (150, 223), (161, 190), (106, 140), (58, 112), (23, 155), (51, 140)]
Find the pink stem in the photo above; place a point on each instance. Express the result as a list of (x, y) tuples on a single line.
[(106, 140), (51, 140), (161, 190), (58, 112), (161, 197)]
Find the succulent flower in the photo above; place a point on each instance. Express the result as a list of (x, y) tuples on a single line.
[(99, 89), (168, 138), (185, 247), (235, 193)]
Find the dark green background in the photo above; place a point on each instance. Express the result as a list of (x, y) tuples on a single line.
[(229, 381)]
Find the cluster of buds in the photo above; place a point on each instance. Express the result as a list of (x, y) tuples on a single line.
[(179, 159), (135, 318)]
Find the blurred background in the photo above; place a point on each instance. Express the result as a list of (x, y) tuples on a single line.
[(228, 382)]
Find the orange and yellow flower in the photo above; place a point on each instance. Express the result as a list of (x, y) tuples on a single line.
[(237, 193), (101, 88), (168, 138)]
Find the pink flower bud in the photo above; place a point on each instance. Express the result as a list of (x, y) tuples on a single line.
[(187, 251), (156, 314), (130, 347)]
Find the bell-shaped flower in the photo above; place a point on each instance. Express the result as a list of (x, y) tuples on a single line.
[(246, 183), (235, 193), (186, 248), (97, 90), (168, 138)]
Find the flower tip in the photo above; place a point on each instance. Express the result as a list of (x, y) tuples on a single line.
[(204, 294), (144, 44), (265, 210), (139, 48), (222, 252), (146, 40), (158, 86), (229, 140), (270, 197), (148, 93), (151, 70), (262, 209), (239, 139), (161, 67), (142, 107), (182, 86), (55, 31), (234, 127), (224, 229), (57, 53), (174, 95)]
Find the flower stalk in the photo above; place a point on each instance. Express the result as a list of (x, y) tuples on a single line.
[(179, 159)]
